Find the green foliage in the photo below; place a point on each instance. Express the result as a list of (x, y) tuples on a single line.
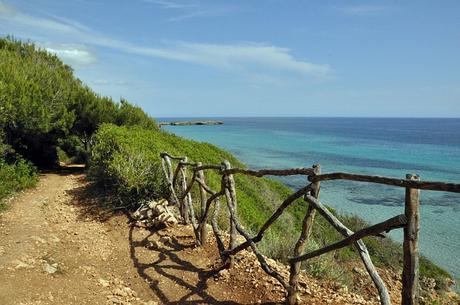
[(42, 104), (90, 110), (126, 158), (15, 177), (35, 94), (125, 164), (72, 150), (130, 115)]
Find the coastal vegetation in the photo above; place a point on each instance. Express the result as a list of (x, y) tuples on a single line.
[(47, 116), (46, 111), (120, 153)]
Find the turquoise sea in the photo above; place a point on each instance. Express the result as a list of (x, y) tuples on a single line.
[(378, 146)]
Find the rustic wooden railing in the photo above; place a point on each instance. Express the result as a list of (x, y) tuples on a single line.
[(180, 190)]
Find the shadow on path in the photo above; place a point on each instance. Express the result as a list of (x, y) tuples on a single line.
[(170, 265), (187, 283)]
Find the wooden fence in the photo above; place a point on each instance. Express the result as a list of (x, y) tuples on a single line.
[(180, 189)]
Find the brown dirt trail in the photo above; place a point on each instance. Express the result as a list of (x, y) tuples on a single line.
[(59, 245)]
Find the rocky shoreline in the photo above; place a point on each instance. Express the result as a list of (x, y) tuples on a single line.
[(189, 123)]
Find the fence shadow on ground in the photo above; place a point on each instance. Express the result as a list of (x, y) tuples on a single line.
[(170, 264)]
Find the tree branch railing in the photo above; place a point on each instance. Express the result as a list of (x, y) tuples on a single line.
[(180, 188)]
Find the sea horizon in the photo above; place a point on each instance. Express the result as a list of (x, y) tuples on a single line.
[(158, 118)]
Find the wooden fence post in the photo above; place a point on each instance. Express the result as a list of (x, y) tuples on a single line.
[(410, 276), (230, 194), (204, 229), (185, 201), (167, 170), (307, 224)]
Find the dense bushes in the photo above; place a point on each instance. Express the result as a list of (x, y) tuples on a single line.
[(127, 160), (15, 177), (15, 173), (121, 156), (42, 104), (47, 114), (35, 91), (124, 163)]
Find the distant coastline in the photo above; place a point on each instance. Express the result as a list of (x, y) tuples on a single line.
[(189, 123)]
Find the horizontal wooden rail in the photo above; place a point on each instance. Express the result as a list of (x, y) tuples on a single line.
[(208, 166), (423, 185), (191, 164), (164, 154), (270, 172), (385, 226)]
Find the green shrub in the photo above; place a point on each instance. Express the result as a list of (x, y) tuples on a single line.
[(130, 115), (43, 104), (15, 177), (127, 160), (124, 163)]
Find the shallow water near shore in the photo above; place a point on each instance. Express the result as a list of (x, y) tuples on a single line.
[(391, 147)]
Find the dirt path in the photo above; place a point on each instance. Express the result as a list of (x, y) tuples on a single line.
[(58, 247)]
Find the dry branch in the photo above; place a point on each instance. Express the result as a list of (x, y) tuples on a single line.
[(175, 175), (415, 184), (203, 232), (362, 250), (186, 192), (263, 262), (215, 228), (385, 226), (208, 166), (204, 186), (165, 154), (190, 164), (230, 194), (287, 202), (167, 170), (307, 225), (410, 291), (269, 172)]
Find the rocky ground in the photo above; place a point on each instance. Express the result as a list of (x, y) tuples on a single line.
[(58, 245)]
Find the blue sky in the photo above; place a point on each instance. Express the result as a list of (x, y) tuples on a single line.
[(256, 58)]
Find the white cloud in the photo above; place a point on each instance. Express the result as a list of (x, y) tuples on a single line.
[(361, 10), (73, 55), (106, 82), (12, 16), (194, 14), (191, 9), (246, 57), (257, 56), (171, 4)]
